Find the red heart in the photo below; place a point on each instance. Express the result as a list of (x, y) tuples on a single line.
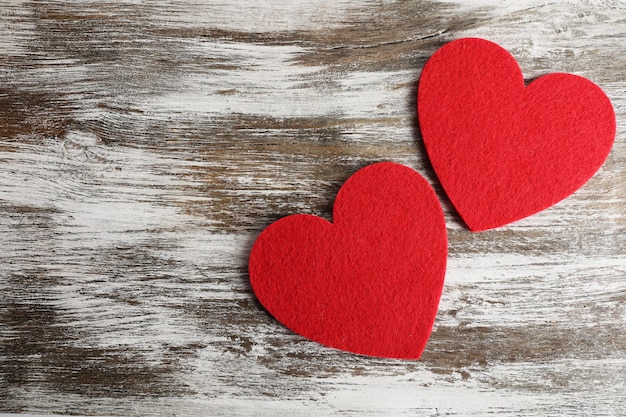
[(370, 282), (503, 151)]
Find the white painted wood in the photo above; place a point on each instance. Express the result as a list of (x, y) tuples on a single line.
[(143, 147)]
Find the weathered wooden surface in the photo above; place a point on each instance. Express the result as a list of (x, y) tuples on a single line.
[(143, 147)]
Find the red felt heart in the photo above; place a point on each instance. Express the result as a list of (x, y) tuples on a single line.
[(503, 151), (370, 282)]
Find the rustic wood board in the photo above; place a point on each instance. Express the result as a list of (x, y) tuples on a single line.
[(144, 145)]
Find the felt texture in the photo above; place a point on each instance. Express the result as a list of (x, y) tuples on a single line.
[(503, 151), (368, 283)]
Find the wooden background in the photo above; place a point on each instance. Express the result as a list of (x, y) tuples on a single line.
[(145, 145)]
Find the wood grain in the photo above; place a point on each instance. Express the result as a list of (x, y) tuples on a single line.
[(144, 145)]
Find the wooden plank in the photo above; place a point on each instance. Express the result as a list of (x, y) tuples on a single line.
[(143, 147)]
